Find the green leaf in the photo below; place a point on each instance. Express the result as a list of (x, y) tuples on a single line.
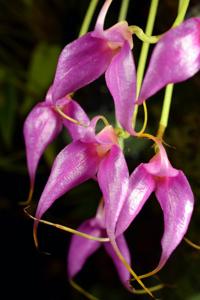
[(41, 72)]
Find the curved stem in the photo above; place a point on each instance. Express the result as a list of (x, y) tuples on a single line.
[(88, 17), (68, 229), (195, 246), (127, 266), (182, 9), (82, 291), (59, 110), (153, 39), (30, 195)]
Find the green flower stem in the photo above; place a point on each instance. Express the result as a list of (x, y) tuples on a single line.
[(182, 9), (165, 110), (144, 51), (88, 17), (123, 10), (145, 46), (183, 5), (142, 36), (122, 16)]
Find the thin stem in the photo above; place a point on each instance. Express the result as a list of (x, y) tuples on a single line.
[(68, 229), (182, 9), (145, 46), (127, 266), (82, 291), (88, 17), (152, 289), (165, 110), (122, 16), (123, 10), (30, 195), (144, 52), (183, 5), (195, 246), (59, 110), (153, 39)]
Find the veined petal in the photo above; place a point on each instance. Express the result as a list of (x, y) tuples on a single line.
[(81, 248), (113, 181), (80, 63), (40, 128), (176, 199), (75, 164), (175, 58), (141, 185), (75, 111), (124, 274), (121, 81)]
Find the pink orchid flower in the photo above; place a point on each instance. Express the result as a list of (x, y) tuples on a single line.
[(97, 52), (96, 227), (44, 123), (82, 160), (174, 196), (175, 58)]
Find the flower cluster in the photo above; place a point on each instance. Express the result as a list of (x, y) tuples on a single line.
[(175, 58)]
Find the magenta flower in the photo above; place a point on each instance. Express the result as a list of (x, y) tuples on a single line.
[(44, 123), (82, 160), (174, 196), (175, 58), (100, 51), (96, 227)]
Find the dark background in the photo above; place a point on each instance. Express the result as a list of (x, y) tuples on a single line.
[(32, 33)]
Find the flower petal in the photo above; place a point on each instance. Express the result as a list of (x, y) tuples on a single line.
[(75, 164), (113, 181), (75, 111), (80, 63), (123, 247), (81, 248), (121, 81), (40, 128), (102, 14), (160, 165), (176, 199), (175, 58), (141, 185)]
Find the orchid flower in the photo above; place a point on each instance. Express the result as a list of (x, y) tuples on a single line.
[(44, 123), (82, 160), (97, 52), (174, 196), (96, 227), (176, 56)]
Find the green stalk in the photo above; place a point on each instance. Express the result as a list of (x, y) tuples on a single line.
[(123, 10), (144, 51), (183, 5), (88, 17), (122, 16), (145, 46)]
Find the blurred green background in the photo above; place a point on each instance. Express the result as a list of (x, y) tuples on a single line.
[(32, 34)]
